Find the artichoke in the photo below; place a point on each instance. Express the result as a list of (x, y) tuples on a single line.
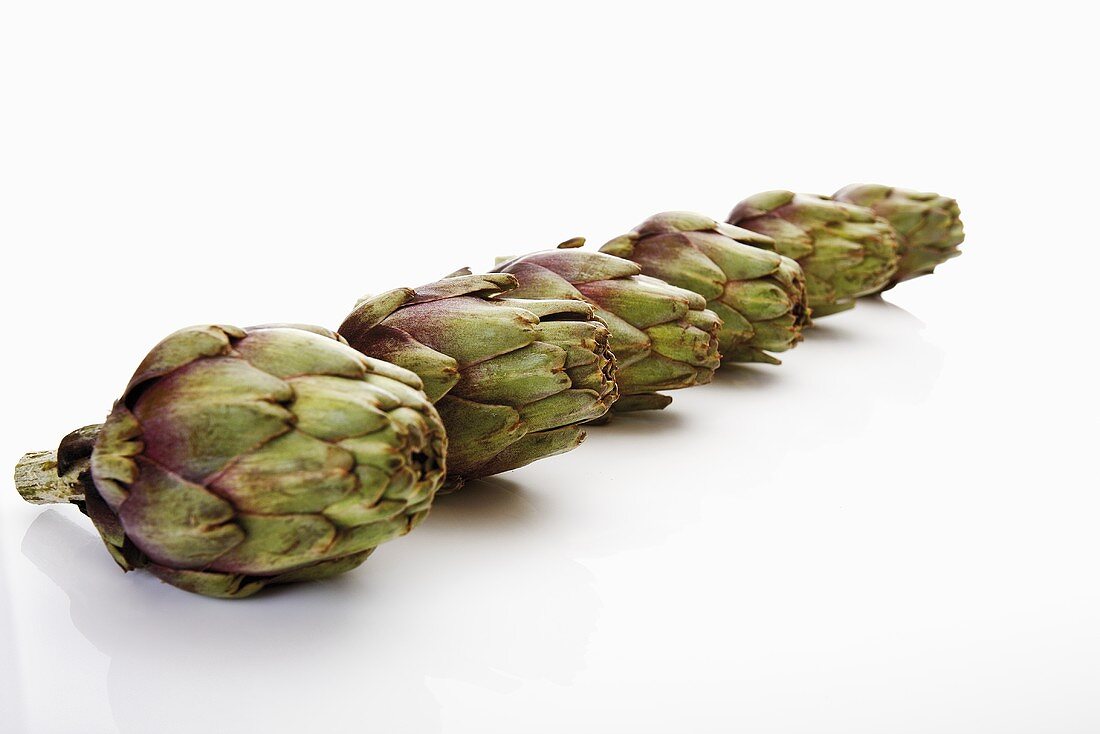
[(928, 225), (663, 337), (845, 250), (759, 295), (238, 458), (512, 380)]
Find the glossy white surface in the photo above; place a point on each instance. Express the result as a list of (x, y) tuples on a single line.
[(895, 531)]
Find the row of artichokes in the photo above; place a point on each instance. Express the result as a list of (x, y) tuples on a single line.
[(237, 458)]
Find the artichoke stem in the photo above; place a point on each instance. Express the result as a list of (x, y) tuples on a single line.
[(45, 477), (37, 480)]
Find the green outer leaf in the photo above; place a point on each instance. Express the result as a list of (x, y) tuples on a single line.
[(641, 304), (467, 329), (675, 259), (641, 401), (532, 447), (534, 372), (177, 522), (477, 432)]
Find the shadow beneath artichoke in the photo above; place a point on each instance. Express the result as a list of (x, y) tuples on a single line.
[(875, 358), (492, 609), (846, 326), (904, 364), (880, 304), (748, 376), (829, 330), (635, 422), (482, 503)]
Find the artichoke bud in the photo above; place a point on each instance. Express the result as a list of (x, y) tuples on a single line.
[(512, 378), (663, 337), (758, 294), (845, 251), (238, 458), (928, 225)]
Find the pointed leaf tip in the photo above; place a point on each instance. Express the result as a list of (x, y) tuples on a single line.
[(371, 311)]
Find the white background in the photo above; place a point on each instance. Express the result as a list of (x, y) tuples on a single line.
[(895, 531)]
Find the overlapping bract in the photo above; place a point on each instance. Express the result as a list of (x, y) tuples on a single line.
[(928, 225), (512, 379), (759, 295), (240, 458), (663, 337), (845, 250)]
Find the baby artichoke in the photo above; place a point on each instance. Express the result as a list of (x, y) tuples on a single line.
[(663, 337), (512, 380), (928, 225), (238, 458), (844, 250), (759, 295)]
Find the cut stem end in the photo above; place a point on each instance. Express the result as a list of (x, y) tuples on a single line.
[(38, 482), (45, 477)]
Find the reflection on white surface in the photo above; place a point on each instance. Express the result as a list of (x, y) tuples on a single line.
[(11, 682), (368, 643)]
